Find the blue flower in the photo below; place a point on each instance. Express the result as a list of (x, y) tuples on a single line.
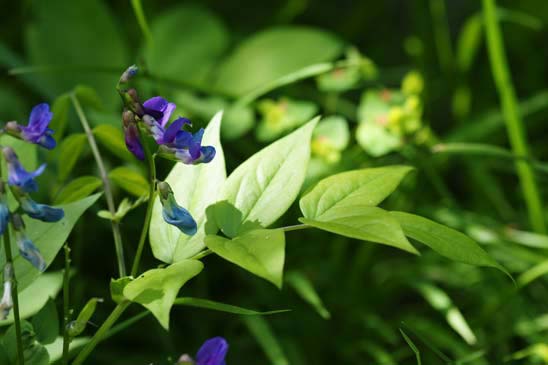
[(212, 352), (173, 213), (131, 134), (186, 147), (42, 212), (17, 175), (4, 210), (36, 131), (30, 252), (160, 109)]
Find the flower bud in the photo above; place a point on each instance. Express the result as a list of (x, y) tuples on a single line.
[(173, 213), (27, 249), (6, 303)]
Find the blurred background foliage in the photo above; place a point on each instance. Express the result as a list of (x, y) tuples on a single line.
[(394, 80)]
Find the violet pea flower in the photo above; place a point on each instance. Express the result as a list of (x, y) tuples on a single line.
[(173, 213), (17, 175), (37, 130)]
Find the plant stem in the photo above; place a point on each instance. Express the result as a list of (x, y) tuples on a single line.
[(106, 185), (141, 19), (510, 109), (66, 302), (101, 332), (201, 254), (15, 298), (151, 197), (295, 227)]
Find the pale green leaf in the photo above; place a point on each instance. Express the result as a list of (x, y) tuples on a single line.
[(77, 189), (195, 188), (129, 180), (261, 252)]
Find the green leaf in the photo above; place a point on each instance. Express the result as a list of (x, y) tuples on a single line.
[(68, 153), (129, 180), (78, 326), (195, 188), (376, 140), (469, 42), (193, 52), (306, 291), (34, 353), (367, 187), (333, 129), (262, 332), (36, 295), (48, 237), (157, 289), (46, 323), (273, 53), (77, 189), (221, 307), (80, 40), (117, 288), (261, 252), (261, 189), (445, 241), (55, 349), (60, 110), (362, 222), (113, 139)]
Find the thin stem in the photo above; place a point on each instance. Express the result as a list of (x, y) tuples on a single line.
[(101, 332), (151, 197), (510, 109), (66, 304), (15, 298), (295, 227), (202, 254), (106, 185), (141, 19), (125, 324)]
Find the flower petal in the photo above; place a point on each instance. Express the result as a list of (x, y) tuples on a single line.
[(171, 132), (212, 352), (30, 252), (39, 119)]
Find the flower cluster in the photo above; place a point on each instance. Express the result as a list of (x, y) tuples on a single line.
[(212, 352), (151, 118), (22, 182)]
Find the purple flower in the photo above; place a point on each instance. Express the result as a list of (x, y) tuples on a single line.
[(4, 214), (212, 352), (173, 213), (187, 147), (160, 109), (43, 212), (131, 135), (37, 130), (17, 175)]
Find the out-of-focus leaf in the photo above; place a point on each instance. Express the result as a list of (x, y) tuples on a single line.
[(282, 116), (261, 252), (129, 180), (261, 189), (36, 295), (113, 139), (194, 51), (34, 353), (306, 290), (55, 349), (195, 188), (157, 289), (376, 140), (69, 151), (273, 53), (80, 40), (222, 307), (46, 323), (260, 329), (60, 110), (48, 238), (77, 189), (445, 241), (469, 42)]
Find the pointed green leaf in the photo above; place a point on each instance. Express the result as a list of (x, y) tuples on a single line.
[(48, 237), (157, 289), (362, 222), (117, 288), (46, 323), (78, 326), (261, 189), (129, 180), (261, 252), (260, 329), (222, 307), (367, 187), (306, 290), (77, 189), (113, 139), (195, 188), (68, 153), (445, 241), (60, 110)]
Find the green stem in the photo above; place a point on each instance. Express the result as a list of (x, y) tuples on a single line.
[(202, 254), (15, 298), (141, 19), (125, 324), (106, 185), (101, 332), (151, 197), (510, 109), (295, 227), (66, 310)]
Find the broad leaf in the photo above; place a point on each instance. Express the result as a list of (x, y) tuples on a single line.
[(33, 298), (113, 139), (195, 188), (362, 222), (261, 189), (261, 252), (157, 289), (129, 180), (268, 55), (46, 322), (48, 237), (68, 153), (221, 307), (77, 189), (445, 241), (367, 187)]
